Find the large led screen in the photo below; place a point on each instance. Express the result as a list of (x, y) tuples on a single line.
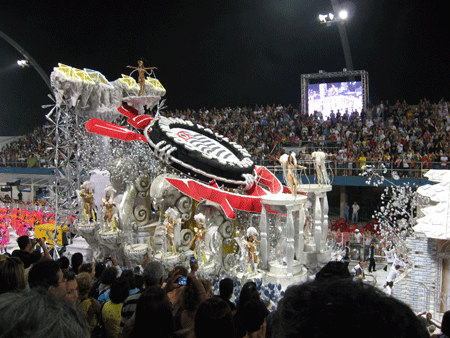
[(328, 97)]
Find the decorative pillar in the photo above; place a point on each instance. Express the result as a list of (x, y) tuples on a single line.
[(289, 239), (264, 243), (325, 220), (300, 238), (317, 222)]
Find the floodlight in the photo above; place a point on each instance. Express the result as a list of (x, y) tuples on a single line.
[(322, 18), (343, 14), (23, 63), (331, 16)]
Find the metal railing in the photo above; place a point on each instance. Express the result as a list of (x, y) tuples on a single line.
[(358, 250), (335, 168), (25, 163), (343, 169)]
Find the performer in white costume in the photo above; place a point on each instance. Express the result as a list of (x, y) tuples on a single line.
[(250, 243), (289, 163), (321, 170), (172, 223), (199, 237)]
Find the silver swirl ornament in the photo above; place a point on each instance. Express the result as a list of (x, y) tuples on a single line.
[(142, 214), (126, 207), (143, 184), (226, 231), (184, 206), (186, 237)]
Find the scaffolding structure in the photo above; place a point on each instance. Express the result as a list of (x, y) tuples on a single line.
[(65, 157)]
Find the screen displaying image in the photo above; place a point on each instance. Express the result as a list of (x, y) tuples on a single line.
[(328, 97)]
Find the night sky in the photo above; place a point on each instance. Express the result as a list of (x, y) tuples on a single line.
[(222, 53)]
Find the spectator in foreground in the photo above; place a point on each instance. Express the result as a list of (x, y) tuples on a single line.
[(153, 276), (254, 315), (226, 291), (89, 306), (71, 296), (26, 247), (37, 313), (111, 311), (108, 276), (346, 307), (76, 262), (11, 275), (445, 326), (249, 292), (214, 319), (154, 311), (333, 270), (63, 263), (47, 274)]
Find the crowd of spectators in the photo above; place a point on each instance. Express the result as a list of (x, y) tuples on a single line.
[(403, 137), (28, 151), (406, 138), (41, 297)]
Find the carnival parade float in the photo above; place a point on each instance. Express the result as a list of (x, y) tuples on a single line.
[(147, 185)]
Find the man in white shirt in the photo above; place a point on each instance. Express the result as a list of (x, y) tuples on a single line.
[(355, 209), (358, 270), (389, 253), (393, 273)]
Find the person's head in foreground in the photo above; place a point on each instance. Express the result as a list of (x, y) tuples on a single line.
[(38, 313), (214, 319), (346, 307)]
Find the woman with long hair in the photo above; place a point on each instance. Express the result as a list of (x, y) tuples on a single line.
[(12, 276), (289, 164), (153, 314), (249, 292)]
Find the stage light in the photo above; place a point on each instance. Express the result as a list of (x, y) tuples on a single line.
[(322, 18), (331, 16), (343, 14), (23, 63)]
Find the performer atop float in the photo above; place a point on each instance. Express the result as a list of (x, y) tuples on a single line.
[(110, 206), (172, 223), (141, 71), (321, 169), (87, 195), (199, 237), (250, 243), (289, 163)]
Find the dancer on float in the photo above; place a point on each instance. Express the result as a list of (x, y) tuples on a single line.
[(87, 195), (141, 79), (199, 237), (172, 225), (321, 169), (250, 243), (289, 164), (110, 206)]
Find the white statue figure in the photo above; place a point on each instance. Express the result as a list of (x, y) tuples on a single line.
[(321, 170), (289, 164), (250, 243), (87, 196), (199, 237), (110, 208), (172, 224)]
